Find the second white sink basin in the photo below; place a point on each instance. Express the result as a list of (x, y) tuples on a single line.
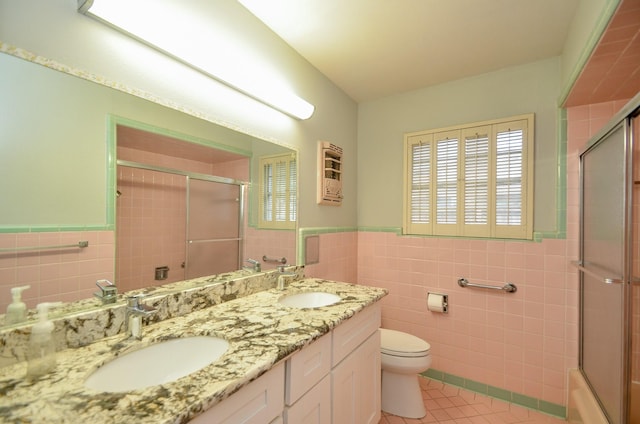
[(157, 364), (309, 300)]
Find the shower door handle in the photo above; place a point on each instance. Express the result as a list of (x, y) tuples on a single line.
[(595, 274)]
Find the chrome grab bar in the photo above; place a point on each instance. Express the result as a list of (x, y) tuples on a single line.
[(80, 244), (595, 274), (212, 240), (509, 287), (274, 260)]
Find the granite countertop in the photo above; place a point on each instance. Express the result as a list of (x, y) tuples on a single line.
[(260, 332)]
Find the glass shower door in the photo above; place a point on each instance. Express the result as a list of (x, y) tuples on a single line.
[(604, 259), (213, 228)]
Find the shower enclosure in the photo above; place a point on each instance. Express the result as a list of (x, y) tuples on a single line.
[(183, 224), (214, 227), (609, 266)]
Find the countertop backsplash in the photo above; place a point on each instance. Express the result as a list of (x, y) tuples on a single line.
[(93, 321)]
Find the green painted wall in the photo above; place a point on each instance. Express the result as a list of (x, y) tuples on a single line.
[(508, 92)]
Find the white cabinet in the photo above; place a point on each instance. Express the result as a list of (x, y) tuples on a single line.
[(339, 375), (356, 385), (335, 379), (259, 402), (350, 334), (307, 367), (314, 407), (355, 377), (308, 385)]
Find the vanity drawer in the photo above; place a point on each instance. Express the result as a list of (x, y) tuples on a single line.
[(350, 334), (261, 401), (305, 368)]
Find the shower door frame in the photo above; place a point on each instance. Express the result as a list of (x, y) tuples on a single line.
[(243, 185), (621, 120), (241, 216)]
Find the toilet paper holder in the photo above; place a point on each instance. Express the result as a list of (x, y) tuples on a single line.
[(438, 302)]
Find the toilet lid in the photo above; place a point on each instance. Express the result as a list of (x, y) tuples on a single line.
[(397, 343)]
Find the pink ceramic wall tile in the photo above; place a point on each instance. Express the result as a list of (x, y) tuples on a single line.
[(55, 274), (506, 322)]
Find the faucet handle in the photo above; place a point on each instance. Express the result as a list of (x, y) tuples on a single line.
[(255, 265), (133, 301), (108, 291), (133, 304)]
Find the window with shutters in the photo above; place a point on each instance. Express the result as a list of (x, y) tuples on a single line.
[(473, 180), (278, 192)]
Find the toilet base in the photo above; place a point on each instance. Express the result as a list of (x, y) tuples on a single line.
[(401, 395)]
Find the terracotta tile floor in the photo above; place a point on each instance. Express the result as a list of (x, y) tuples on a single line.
[(452, 405)]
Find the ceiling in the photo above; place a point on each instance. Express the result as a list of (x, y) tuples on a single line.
[(376, 48), (134, 138)]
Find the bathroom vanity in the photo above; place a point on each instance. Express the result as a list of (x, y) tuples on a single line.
[(282, 363), (342, 369)]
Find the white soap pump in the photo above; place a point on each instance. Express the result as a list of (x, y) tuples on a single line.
[(41, 352), (17, 310)]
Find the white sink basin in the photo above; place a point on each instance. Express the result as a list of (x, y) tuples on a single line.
[(309, 299), (157, 364)]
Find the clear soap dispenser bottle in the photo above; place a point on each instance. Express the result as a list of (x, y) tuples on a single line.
[(17, 310), (41, 352)]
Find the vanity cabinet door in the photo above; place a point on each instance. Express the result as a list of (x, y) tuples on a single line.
[(307, 367), (356, 385), (369, 380), (314, 407), (259, 402), (351, 333)]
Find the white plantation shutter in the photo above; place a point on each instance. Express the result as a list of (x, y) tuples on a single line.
[(280, 193), (293, 189), (473, 180), (514, 179), (509, 178), (421, 184), (278, 188), (266, 192), (476, 180), (446, 182), (418, 190)]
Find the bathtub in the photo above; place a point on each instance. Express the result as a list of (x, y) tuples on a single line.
[(583, 408)]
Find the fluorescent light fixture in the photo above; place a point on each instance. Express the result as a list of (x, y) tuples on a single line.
[(171, 28)]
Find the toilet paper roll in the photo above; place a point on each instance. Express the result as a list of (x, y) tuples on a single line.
[(436, 302)]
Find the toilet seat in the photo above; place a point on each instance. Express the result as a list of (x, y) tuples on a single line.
[(397, 343)]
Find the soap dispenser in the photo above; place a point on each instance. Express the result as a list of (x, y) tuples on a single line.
[(41, 352), (17, 310)]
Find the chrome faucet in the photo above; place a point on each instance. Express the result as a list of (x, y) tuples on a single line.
[(133, 316), (108, 292), (255, 265), (283, 275)]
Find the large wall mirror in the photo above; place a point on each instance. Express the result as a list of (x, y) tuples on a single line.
[(79, 156)]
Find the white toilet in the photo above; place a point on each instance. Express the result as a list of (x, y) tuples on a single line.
[(403, 357)]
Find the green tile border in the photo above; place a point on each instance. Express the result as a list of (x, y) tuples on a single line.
[(529, 402), (607, 12), (53, 228), (537, 236), (312, 231)]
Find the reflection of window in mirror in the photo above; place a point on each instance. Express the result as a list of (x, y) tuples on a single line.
[(278, 188)]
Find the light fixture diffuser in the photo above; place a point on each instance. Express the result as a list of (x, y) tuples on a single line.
[(169, 27)]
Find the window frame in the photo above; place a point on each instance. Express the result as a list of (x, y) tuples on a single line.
[(435, 182)]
